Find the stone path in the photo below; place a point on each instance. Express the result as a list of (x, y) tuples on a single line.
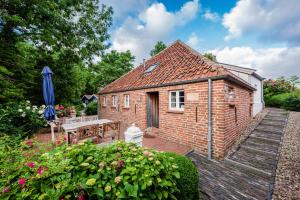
[(248, 173)]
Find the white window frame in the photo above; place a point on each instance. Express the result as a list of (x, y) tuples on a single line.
[(114, 100), (104, 101), (176, 108), (126, 101)]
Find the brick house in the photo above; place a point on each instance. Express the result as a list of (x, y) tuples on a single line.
[(189, 98)]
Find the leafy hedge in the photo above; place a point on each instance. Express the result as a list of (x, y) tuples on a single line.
[(21, 119), (92, 108), (85, 171), (188, 182), (289, 101)]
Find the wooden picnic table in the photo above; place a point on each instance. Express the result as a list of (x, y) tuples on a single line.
[(73, 127)]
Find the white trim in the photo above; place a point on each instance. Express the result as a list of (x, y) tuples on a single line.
[(126, 100), (177, 101), (104, 101), (114, 100)]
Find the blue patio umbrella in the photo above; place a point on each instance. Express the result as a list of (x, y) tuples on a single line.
[(48, 93)]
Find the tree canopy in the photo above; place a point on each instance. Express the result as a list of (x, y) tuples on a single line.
[(65, 35), (159, 46), (210, 56)]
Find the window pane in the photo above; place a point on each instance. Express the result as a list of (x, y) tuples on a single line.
[(181, 105), (181, 93), (181, 99), (173, 105)]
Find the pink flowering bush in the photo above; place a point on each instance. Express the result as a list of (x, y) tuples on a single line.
[(86, 171)]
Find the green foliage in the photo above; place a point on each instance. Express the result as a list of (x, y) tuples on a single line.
[(21, 119), (65, 35), (159, 46), (289, 101), (189, 177), (282, 93), (210, 56), (112, 66), (92, 108), (292, 102), (278, 86), (86, 171)]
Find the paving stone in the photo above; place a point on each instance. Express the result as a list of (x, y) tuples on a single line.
[(249, 172), (273, 122), (261, 145), (270, 128), (257, 160), (266, 135)]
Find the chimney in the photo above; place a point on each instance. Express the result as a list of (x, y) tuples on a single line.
[(144, 63)]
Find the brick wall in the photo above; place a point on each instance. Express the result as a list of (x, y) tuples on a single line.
[(182, 127)]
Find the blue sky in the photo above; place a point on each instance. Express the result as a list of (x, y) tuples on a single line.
[(262, 34)]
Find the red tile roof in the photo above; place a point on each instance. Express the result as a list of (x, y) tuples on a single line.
[(177, 64)]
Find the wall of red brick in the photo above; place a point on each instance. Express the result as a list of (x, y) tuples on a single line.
[(238, 114), (180, 127)]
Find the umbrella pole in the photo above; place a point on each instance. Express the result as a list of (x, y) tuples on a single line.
[(52, 132)]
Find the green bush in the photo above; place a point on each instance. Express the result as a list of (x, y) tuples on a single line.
[(189, 177), (292, 102), (92, 108), (86, 171), (277, 100), (21, 119)]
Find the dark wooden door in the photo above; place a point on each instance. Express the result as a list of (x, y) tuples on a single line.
[(153, 110)]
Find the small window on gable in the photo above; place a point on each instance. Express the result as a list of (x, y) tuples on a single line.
[(126, 101), (151, 68), (104, 101), (176, 100), (114, 101)]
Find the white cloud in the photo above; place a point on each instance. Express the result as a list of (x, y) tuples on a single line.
[(211, 16), (275, 20), (269, 62), (153, 24), (193, 40)]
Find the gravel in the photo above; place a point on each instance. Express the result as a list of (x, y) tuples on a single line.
[(287, 181)]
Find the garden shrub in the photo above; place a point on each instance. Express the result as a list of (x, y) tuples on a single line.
[(292, 102), (86, 171), (21, 119), (189, 177), (92, 108), (277, 100)]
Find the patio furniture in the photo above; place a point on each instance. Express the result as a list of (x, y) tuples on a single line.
[(110, 131), (85, 132)]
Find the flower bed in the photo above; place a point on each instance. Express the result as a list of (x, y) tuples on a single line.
[(86, 171)]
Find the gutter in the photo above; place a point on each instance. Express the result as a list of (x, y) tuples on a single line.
[(226, 77), (209, 124)]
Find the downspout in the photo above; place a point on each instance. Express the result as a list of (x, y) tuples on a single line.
[(209, 125)]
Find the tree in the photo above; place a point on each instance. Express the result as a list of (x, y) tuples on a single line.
[(294, 80), (159, 46), (66, 35), (210, 56), (112, 66)]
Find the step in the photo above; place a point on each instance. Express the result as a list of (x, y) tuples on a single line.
[(261, 146), (270, 128), (260, 161), (222, 181), (247, 169), (266, 138), (281, 119), (272, 122)]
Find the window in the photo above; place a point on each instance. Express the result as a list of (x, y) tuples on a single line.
[(151, 68), (176, 100), (126, 100), (104, 101), (114, 101)]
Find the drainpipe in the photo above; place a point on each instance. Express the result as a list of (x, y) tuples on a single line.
[(209, 126)]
